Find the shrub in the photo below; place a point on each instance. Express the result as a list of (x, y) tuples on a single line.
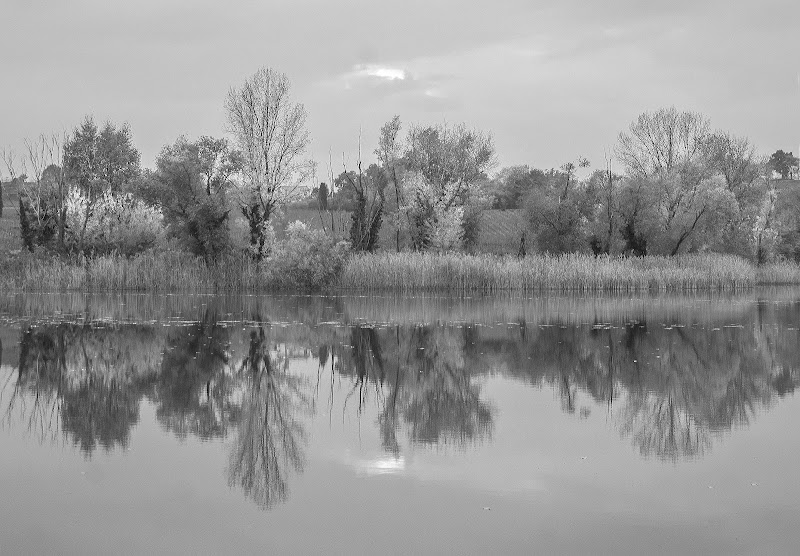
[(116, 223), (306, 260)]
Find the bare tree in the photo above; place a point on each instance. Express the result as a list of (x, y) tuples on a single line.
[(270, 130), (659, 143), (370, 200), (735, 158), (42, 188), (668, 151)]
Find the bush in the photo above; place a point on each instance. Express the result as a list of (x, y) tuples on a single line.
[(116, 223), (306, 260)]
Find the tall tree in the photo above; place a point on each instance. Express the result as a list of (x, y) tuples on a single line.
[(270, 131), (666, 152), (388, 152), (557, 212), (659, 143), (190, 184), (370, 198), (99, 160), (444, 164)]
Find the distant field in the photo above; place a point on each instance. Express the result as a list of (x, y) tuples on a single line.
[(9, 222), (500, 230)]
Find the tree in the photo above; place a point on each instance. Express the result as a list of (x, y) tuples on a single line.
[(785, 164), (322, 196), (270, 131), (659, 143), (511, 185), (42, 193), (559, 211), (369, 190), (444, 165), (97, 161), (388, 152), (603, 187), (735, 159), (190, 185), (667, 154)]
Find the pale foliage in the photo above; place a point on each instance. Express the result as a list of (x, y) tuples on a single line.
[(117, 222), (430, 205)]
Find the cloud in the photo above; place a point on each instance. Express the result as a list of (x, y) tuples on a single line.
[(380, 72)]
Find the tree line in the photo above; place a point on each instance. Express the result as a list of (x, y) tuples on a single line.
[(678, 186)]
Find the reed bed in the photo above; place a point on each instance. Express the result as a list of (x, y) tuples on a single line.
[(412, 272), (173, 272), (780, 273), (151, 272)]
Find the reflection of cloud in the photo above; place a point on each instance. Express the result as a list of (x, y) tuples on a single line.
[(383, 465), (374, 464)]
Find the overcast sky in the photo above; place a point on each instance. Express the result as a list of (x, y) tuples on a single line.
[(551, 80)]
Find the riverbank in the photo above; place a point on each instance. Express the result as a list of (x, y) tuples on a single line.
[(397, 272)]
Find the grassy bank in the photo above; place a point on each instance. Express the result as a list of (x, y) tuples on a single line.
[(403, 273)]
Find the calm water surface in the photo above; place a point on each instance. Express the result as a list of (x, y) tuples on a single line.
[(176, 424)]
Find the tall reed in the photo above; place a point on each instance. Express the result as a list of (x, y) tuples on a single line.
[(409, 272), (166, 272)]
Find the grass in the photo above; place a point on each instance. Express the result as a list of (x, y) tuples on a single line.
[(400, 273)]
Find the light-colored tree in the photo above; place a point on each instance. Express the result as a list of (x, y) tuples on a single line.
[(389, 153), (445, 164), (270, 131), (98, 160)]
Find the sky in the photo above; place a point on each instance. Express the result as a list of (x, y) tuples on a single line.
[(550, 80)]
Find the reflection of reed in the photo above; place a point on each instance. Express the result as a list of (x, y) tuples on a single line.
[(539, 309)]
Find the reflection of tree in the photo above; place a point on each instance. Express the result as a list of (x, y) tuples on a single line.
[(85, 382), (661, 426), (82, 381), (430, 390), (670, 386), (268, 444), (193, 391)]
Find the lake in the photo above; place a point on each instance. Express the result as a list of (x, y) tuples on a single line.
[(291, 424)]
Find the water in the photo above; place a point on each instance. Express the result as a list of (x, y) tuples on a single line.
[(179, 424)]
